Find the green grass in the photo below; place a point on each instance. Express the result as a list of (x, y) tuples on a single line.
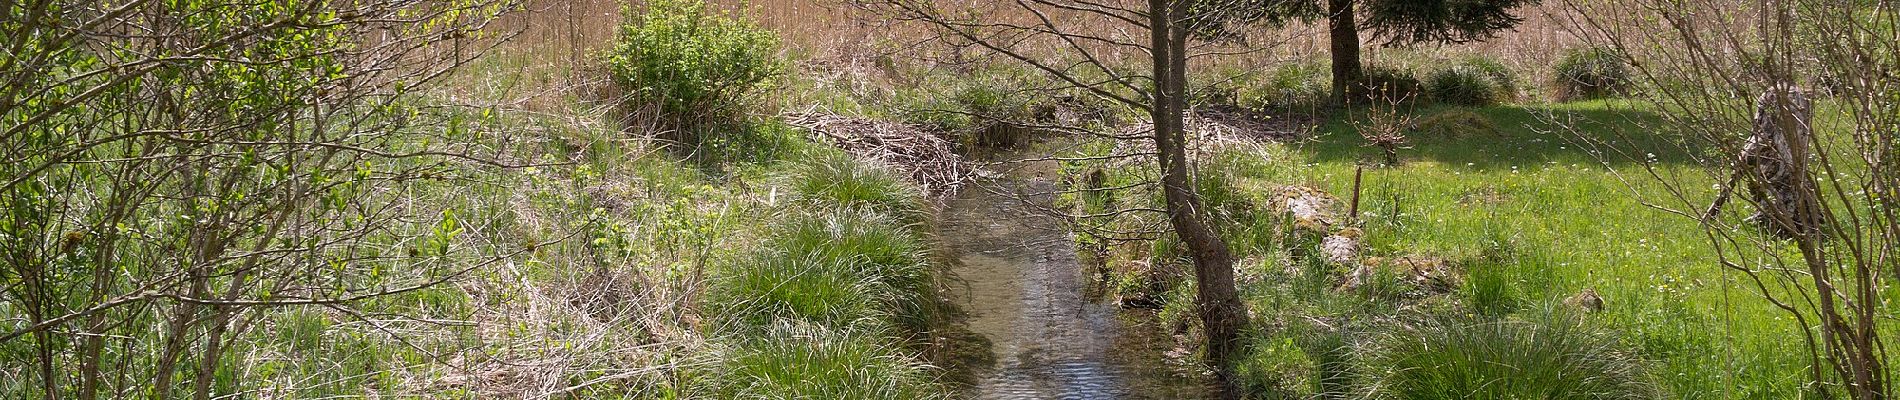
[(1528, 212), (1552, 357), (839, 287), (1571, 219), (828, 179), (839, 269), (793, 361)]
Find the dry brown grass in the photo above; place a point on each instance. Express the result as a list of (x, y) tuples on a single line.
[(565, 36)]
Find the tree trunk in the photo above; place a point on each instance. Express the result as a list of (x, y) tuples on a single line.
[(1343, 33), (1222, 313)]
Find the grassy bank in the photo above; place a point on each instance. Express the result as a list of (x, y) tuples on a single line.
[(1525, 210)]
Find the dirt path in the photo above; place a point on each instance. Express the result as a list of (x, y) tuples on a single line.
[(1024, 293)]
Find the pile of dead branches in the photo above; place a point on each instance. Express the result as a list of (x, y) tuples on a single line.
[(927, 159)]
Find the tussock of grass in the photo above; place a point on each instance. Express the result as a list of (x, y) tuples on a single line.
[(836, 268), (879, 249), (1551, 356), (1590, 73), (818, 311), (799, 361), (771, 287), (1463, 86), (834, 180)]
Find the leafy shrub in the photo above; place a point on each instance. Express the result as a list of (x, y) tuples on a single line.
[(1456, 123), (1591, 72), (1388, 85), (1552, 356), (797, 361), (1465, 86), (692, 64)]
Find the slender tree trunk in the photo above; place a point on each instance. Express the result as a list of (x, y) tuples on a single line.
[(1222, 313), (1343, 33)]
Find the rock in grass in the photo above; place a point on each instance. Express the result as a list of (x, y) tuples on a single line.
[(1341, 247), (1311, 209)]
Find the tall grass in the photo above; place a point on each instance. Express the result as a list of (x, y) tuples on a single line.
[(844, 268), (826, 305), (1552, 356), (830, 179), (802, 361)]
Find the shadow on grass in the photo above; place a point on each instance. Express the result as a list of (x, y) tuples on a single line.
[(1569, 133)]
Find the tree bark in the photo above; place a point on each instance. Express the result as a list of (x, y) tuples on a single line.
[(1343, 33), (1222, 314)]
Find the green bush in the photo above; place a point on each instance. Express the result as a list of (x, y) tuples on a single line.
[(1591, 72), (1551, 357), (692, 64), (796, 361)]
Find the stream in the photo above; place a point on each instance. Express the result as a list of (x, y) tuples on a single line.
[(1025, 293)]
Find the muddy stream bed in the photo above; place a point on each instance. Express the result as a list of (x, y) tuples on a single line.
[(1024, 291)]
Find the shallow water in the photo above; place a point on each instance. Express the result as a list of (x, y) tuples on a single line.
[(1024, 292)]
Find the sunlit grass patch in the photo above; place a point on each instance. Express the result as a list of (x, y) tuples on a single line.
[(1548, 356), (801, 361), (833, 180)]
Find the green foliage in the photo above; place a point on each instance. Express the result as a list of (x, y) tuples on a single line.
[(1296, 88), (1487, 288), (1590, 72), (1464, 86), (1501, 76), (693, 64), (736, 142), (995, 106), (770, 287), (817, 311), (247, 152), (1551, 356), (841, 269), (800, 361), (1275, 367), (1403, 22), (1412, 21)]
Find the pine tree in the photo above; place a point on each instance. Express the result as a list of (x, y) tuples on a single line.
[(1396, 23)]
